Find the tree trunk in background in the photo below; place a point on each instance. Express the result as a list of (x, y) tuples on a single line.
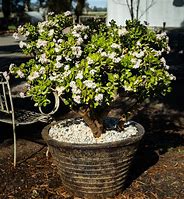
[(79, 8), (58, 6), (41, 2), (6, 8), (27, 5)]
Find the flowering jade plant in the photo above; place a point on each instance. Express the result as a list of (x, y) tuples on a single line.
[(92, 66)]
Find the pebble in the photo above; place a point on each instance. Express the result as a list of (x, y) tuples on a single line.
[(76, 131)]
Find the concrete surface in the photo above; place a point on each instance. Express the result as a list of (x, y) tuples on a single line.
[(10, 52)]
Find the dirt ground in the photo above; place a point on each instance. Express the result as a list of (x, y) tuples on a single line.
[(157, 171)]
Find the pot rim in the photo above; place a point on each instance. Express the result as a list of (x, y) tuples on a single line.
[(128, 141)]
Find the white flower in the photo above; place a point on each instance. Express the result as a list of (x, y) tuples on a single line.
[(51, 32), (152, 69), (97, 90), (20, 73), (138, 55), (60, 90), (172, 77), (68, 59), (22, 95), (112, 55), (99, 97), (43, 58), (167, 67), (11, 67), (76, 34), (57, 49), (104, 54), (85, 36), (79, 41), (117, 60), (16, 36), (59, 65), (67, 13), (66, 73), (138, 43), (114, 45), (42, 70), (137, 64), (92, 72), (51, 13), (52, 78), (158, 53), (80, 27), (89, 84), (33, 76), (76, 90), (72, 84), (168, 49), (79, 75), (59, 41), (20, 29), (41, 26), (27, 34), (122, 31), (77, 99), (90, 61), (127, 88), (77, 51), (27, 86), (58, 58), (41, 43), (161, 36), (100, 50), (163, 61), (22, 44), (67, 67)]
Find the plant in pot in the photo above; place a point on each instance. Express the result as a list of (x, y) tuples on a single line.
[(93, 68)]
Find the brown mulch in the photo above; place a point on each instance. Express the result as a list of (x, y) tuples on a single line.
[(157, 171)]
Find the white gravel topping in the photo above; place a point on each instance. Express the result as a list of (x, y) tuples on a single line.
[(76, 131)]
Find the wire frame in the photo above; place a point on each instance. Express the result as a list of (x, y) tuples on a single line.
[(6, 104)]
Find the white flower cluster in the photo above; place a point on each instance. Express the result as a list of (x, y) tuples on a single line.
[(76, 50), (89, 65), (33, 76), (89, 84), (41, 43), (122, 31), (76, 92)]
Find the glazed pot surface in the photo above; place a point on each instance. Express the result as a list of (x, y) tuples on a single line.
[(93, 170)]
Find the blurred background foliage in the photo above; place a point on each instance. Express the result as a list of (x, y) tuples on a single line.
[(16, 12)]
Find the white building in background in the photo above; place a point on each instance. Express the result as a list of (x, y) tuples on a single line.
[(155, 12)]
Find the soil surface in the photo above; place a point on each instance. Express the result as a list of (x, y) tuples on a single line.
[(157, 171)]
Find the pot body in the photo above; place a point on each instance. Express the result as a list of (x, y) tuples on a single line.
[(93, 170)]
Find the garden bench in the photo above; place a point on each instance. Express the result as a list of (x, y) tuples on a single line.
[(9, 114)]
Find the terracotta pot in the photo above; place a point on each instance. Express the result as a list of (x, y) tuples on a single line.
[(93, 170)]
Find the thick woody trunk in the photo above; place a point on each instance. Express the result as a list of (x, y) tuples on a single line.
[(94, 124), (79, 8)]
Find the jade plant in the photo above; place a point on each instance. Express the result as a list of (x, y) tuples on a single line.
[(92, 66)]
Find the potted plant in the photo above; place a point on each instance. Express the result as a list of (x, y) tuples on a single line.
[(93, 68)]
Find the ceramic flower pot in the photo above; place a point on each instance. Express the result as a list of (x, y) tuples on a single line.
[(93, 170)]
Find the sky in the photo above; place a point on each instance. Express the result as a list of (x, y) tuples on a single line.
[(98, 3)]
